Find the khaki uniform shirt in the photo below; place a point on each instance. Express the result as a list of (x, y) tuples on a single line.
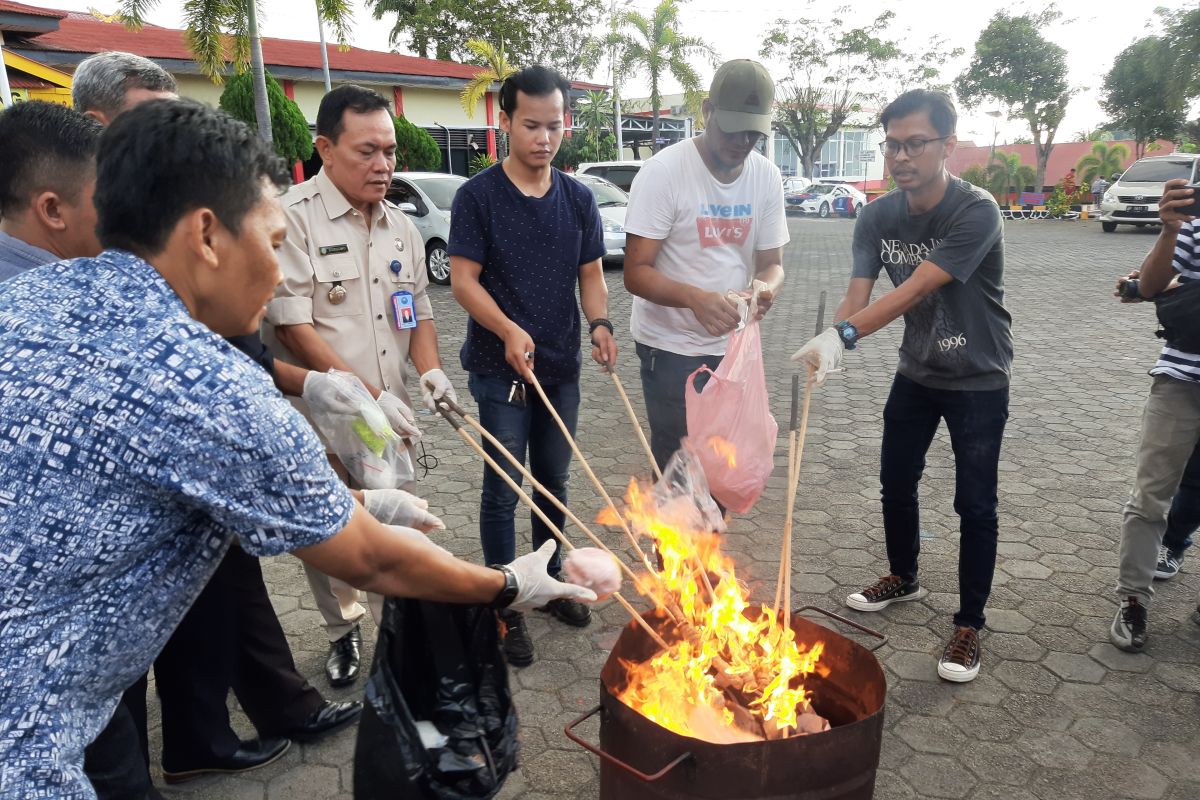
[(328, 245)]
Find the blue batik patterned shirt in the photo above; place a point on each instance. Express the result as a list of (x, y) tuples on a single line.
[(135, 443)]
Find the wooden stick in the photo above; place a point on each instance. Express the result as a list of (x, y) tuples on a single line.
[(525, 498), (785, 545), (588, 470), (637, 426), (787, 534)]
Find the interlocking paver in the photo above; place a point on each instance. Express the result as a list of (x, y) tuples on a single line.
[(1057, 713)]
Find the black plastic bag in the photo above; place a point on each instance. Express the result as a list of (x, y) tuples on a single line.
[(440, 663)]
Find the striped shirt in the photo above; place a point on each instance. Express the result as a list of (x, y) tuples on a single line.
[(1180, 364)]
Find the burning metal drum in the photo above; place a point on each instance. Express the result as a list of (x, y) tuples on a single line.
[(641, 759)]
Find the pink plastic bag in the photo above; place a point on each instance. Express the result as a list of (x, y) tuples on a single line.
[(730, 423)]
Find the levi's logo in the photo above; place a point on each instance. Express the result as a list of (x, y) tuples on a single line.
[(719, 225)]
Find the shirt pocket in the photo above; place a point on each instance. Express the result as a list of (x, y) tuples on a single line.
[(330, 272)]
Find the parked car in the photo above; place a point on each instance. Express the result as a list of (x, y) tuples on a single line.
[(826, 199), (620, 173), (612, 202), (1133, 198), (795, 185), (426, 197)]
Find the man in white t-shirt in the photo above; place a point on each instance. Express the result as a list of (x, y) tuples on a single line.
[(705, 218)]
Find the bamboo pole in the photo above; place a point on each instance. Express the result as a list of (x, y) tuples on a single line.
[(637, 426)]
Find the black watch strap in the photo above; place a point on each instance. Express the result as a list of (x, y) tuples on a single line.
[(509, 592), (600, 322)]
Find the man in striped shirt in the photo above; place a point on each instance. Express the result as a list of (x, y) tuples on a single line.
[(1170, 422)]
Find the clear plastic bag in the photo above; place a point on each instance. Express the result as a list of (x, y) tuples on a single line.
[(730, 423), (682, 495), (357, 432)]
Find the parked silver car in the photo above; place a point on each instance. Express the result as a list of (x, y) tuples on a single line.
[(612, 202), (426, 197)]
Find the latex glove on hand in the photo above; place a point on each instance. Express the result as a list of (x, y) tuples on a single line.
[(398, 507), (323, 393), (399, 416), (822, 353), (762, 298), (434, 386), (535, 587)]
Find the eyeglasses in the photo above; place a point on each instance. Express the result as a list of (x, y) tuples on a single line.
[(912, 148)]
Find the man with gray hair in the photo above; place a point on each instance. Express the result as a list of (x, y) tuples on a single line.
[(107, 84)]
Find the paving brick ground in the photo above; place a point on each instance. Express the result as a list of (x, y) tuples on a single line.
[(1057, 712)]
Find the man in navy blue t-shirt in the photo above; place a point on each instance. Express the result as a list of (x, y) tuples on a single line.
[(522, 236)]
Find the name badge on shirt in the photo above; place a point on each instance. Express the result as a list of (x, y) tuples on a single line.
[(333, 249), (402, 309)]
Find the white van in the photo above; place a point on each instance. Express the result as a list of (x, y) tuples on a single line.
[(1133, 199)]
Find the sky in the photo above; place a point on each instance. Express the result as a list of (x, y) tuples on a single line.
[(1092, 31)]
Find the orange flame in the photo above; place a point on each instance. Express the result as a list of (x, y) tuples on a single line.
[(729, 641), (724, 449)]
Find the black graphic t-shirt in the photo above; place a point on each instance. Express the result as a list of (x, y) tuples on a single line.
[(959, 337)]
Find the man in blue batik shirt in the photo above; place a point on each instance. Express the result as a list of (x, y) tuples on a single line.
[(135, 443)]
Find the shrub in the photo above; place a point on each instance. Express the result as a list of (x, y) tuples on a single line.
[(416, 150), (289, 129)]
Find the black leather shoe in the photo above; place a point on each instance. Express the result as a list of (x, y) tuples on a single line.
[(342, 665), (572, 612), (251, 755), (327, 719)]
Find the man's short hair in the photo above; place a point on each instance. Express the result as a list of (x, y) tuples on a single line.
[(101, 81), (46, 147), (165, 158), (535, 81), (937, 105), (331, 113)]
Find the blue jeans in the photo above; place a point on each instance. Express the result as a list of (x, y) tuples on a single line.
[(976, 421), (521, 426), (663, 377), (1184, 517)]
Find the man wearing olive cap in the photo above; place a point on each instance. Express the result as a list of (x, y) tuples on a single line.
[(705, 217)]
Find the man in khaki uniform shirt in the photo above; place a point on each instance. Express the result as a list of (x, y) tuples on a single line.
[(348, 252)]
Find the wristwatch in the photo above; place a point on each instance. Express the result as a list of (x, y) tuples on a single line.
[(509, 592), (600, 322), (848, 334)]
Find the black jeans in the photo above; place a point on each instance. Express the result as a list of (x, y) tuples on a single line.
[(116, 762), (1184, 517), (976, 421), (663, 377)]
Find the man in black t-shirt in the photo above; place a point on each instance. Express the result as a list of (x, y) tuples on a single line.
[(941, 242)]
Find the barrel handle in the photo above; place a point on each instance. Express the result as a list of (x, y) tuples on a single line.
[(569, 730), (869, 631)]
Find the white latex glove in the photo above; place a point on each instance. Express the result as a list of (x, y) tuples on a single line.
[(416, 537), (398, 507), (823, 353), (322, 392), (399, 416), (535, 587), (434, 386)]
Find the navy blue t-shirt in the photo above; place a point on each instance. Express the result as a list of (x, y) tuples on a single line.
[(531, 249)]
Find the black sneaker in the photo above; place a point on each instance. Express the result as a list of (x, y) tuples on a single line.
[(1168, 564), (960, 659), (885, 591), (1128, 630), (572, 612), (518, 647)]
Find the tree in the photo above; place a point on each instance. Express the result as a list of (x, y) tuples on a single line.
[(594, 113), (416, 150), (654, 45), (976, 176), (496, 70), (835, 71), (1138, 95), (289, 129), (1007, 175), (1104, 161), (555, 33), (219, 32), (1017, 67), (576, 150)]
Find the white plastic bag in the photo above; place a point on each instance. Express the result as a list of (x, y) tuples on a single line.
[(374, 455)]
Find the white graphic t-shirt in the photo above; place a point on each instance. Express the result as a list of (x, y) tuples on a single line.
[(709, 232)]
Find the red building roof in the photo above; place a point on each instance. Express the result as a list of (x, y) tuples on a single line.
[(1063, 157), (82, 33), (21, 8)]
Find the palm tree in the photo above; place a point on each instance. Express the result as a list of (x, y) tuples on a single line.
[(1005, 173), (496, 69), (1104, 160), (218, 31), (594, 113), (655, 45)]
